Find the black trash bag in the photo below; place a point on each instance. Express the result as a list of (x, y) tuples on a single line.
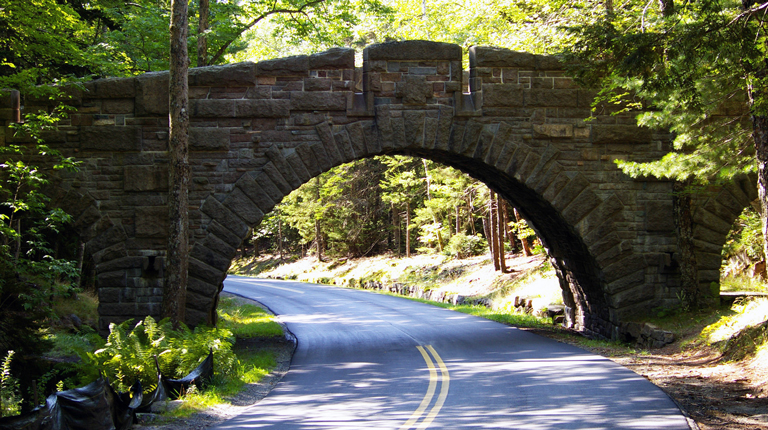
[(159, 394), (125, 405), (84, 408), (198, 377)]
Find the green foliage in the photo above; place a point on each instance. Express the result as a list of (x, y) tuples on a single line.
[(694, 65), (10, 399), (745, 240), (129, 355), (461, 246)]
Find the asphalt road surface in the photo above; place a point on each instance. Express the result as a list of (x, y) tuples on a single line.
[(371, 361)]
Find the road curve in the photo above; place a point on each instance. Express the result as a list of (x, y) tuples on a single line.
[(370, 361)]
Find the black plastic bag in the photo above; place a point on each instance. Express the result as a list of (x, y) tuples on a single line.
[(198, 377)]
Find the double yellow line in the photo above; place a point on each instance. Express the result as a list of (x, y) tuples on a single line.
[(434, 379)]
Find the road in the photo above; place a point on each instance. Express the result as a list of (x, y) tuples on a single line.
[(371, 361)]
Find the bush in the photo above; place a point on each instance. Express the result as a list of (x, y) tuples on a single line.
[(463, 246), (128, 356)]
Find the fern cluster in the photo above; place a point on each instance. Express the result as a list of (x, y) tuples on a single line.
[(130, 352)]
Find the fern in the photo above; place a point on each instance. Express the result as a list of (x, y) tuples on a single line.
[(129, 353)]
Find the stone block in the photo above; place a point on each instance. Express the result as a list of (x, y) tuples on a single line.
[(550, 98), (659, 216), (224, 235), (145, 178), (243, 207), (713, 222), (212, 108), (267, 188), (345, 146), (209, 258), (209, 139), (318, 84), (224, 216), (152, 221), (317, 101), (487, 56), (152, 94), (289, 66), (415, 90), (416, 50), (553, 130), (333, 59), (111, 88), (262, 108), (124, 263), (502, 95), (321, 156), (87, 218), (238, 74), (605, 133), (583, 204), (357, 138), (277, 178), (204, 272), (117, 106), (624, 267), (110, 138), (414, 127), (307, 158), (572, 189)]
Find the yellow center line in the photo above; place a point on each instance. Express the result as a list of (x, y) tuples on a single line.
[(433, 379), (430, 391), (443, 390)]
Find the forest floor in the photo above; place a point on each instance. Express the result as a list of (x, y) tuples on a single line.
[(717, 390)]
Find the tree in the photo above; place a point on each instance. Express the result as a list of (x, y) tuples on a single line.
[(401, 187), (699, 69), (177, 256)]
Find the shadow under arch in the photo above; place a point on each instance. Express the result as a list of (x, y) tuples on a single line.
[(574, 222)]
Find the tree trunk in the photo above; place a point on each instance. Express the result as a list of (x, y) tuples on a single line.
[(524, 241), (487, 232), (500, 235), (760, 134), (689, 277), (318, 232), (507, 233), (494, 231), (408, 229), (177, 257), (202, 42), (280, 239), (396, 228)]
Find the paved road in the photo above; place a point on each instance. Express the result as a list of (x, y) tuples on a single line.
[(370, 361)]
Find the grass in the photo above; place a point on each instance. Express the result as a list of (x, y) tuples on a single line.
[(246, 320), (743, 283)]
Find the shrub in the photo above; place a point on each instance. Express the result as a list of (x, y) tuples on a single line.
[(463, 246)]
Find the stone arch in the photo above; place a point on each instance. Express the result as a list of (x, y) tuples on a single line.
[(575, 223), (713, 218)]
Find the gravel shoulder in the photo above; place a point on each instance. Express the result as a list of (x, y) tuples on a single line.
[(246, 398)]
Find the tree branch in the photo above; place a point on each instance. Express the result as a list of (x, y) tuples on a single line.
[(220, 52)]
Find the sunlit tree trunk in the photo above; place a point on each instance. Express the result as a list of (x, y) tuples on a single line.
[(524, 241), (202, 41), (500, 235)]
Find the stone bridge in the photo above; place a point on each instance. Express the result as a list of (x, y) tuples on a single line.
[(260, 130)]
